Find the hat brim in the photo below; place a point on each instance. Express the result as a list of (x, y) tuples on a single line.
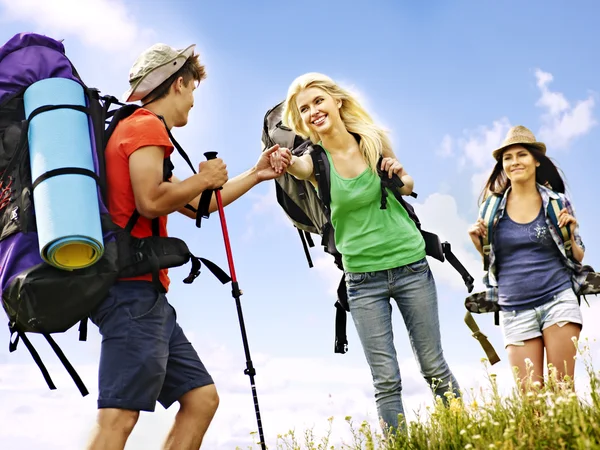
[(537, 145), (146, 84)]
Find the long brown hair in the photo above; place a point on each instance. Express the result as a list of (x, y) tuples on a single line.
[(547, 174)]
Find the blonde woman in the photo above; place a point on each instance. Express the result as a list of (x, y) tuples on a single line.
[(530, 275), (383, 252)]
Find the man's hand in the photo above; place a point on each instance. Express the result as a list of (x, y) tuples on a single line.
[(214, 173), (263, 168), (281, 159)]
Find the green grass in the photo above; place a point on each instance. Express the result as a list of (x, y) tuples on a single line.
[(549, 417)]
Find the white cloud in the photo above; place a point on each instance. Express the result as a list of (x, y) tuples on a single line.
[(104, 24), (474, 148), (439, 215), (477, 144), (562, 123), (446, 147), (328, 271)]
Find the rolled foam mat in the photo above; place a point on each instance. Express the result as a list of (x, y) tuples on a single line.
[(66, 206)]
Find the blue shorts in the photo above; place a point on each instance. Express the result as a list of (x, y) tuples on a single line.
[(519, 326), (145, 356)]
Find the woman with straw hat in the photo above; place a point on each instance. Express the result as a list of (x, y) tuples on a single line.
[(530, 274), (383, 252)]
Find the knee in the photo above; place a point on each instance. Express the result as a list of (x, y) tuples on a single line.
[(119, 421), (201, 401)]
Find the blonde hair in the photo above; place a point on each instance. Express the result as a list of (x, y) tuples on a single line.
[(373, 139)]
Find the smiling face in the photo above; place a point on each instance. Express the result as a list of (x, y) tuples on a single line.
[(319, 111), (183, 97), (519, 164)]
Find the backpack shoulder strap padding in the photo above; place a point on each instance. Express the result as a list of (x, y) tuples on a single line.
[(554, 207), (322, 173), (488, 213)]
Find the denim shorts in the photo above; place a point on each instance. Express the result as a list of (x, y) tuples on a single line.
[(145, 356), (519, 326)]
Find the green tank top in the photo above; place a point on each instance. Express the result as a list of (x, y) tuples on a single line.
[(368, 237)]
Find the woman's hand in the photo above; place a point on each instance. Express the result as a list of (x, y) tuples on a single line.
[(477, 231), (280, 159), (392, 166), (564, 218)]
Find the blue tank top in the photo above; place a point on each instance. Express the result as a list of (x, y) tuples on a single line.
[(529, 266)]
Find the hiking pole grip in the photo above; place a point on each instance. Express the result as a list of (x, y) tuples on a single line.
[(210, 155), (204, 203)]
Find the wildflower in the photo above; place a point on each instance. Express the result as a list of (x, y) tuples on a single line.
[(530, 394), (476, 436), (497, 424), (462, 432), (468, 446), (492, 446)]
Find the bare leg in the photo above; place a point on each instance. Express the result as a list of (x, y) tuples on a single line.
[(532, 349), (560, 348), (113, 427), (197, 408)]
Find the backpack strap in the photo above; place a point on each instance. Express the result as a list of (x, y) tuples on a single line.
[(36, 357), (488, 213), (307, 241), (322, 173), (34, 354), (555, 205), (65, 362), (341, 306), (453, 260), (482, 338)]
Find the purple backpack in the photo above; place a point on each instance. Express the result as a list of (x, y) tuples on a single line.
[(37, 297)]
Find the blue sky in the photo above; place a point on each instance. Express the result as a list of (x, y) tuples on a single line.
[(447, 79)]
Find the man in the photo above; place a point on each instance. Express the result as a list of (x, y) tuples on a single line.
[(145, 355)]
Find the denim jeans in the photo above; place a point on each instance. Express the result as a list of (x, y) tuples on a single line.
[(413, 288)]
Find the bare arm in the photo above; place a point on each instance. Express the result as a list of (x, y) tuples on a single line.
[(408, 181), (155, 197), (236, 187), (232, 190), (301, 167)]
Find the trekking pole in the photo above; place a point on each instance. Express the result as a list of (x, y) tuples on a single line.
[(236, 293)]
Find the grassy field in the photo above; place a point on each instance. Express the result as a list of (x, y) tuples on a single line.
[(552, 416)]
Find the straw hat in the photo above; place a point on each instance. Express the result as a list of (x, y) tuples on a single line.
[(519, 135)]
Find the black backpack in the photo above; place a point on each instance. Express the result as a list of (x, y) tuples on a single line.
[(310, 213)]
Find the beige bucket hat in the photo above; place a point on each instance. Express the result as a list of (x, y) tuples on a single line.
[(519, 135), (154, 66)]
